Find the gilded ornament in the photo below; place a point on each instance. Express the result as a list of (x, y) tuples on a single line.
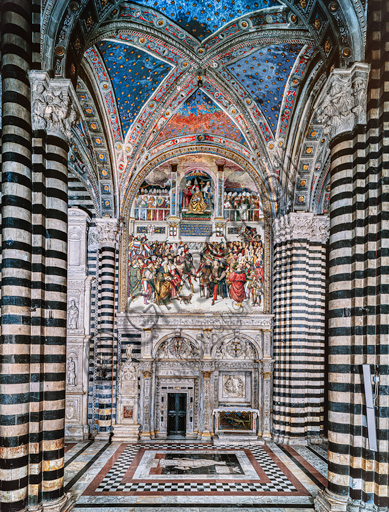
[(60, 50), (303, 3)]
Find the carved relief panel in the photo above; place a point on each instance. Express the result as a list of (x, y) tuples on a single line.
[(235, 387)]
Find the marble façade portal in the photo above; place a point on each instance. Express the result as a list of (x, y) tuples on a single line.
[(216, 361)]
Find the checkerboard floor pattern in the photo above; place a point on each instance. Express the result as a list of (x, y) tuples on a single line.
[(112, 482)]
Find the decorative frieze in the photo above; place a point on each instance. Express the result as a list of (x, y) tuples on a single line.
[(307, 226)]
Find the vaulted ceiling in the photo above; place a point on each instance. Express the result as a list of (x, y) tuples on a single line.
[(240, 76)]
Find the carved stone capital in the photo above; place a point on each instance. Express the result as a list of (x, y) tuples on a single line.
[(54, 104), (107, 231), (342, 103), (301, 226)]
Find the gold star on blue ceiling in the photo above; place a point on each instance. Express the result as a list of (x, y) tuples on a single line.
[(135, 75), (203, 17), (264, 75)]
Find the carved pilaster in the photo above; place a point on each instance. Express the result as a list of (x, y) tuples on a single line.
[(146, 390), (207, 418), (78, 325), (267, 369), (342, 104), (54, 104)]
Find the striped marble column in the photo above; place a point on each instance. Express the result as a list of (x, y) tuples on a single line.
[(15, 383), (299, 326), (54, 107), (358, 294), (105, 357)]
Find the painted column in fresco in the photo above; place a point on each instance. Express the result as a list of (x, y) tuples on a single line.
[(174, 219), (174, 191), (220, 191)]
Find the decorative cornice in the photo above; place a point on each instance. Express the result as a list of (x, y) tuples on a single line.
[(342, 104), (305, 226), (162, 320), (54, 104)]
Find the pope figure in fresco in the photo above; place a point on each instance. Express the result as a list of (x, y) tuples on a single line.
[(197, 204)]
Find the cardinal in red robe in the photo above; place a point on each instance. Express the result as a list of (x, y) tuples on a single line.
[(237, 279)]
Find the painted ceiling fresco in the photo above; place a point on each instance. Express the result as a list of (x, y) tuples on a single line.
[(264, 74), (199, 114), (203, 17), (135, 74)]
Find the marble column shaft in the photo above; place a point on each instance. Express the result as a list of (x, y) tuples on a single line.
[(16, 252)]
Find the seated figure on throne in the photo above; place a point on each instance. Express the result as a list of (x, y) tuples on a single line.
[(197, 203)]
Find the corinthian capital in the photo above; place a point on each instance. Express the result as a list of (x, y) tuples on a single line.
[(107, 231), (342, 103), (303, 226), (54, 104)]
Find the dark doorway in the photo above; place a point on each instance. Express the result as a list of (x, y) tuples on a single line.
[(176, 424)]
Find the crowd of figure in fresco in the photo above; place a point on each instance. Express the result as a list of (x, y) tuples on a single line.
[(197, 199), (164, 271), (153, 204), (242, 206)]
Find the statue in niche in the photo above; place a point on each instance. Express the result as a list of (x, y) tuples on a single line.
[(71, 372), (73, 314)]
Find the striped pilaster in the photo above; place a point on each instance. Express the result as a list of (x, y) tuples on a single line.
[(16, 227), (358, 477), (106, 353), (299, 326)]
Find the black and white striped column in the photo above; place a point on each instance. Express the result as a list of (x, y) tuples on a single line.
[(299, 326), (358, 476), (106, 354), (15, 357)]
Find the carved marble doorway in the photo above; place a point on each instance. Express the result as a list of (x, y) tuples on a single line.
[(176, 423)]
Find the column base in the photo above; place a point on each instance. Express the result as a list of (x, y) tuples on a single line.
[(125, 433), (102, 436), (328, 502), (76, 432), (63, 504), (288, 440)]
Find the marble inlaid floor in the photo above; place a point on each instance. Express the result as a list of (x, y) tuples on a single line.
[(193, 477)]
